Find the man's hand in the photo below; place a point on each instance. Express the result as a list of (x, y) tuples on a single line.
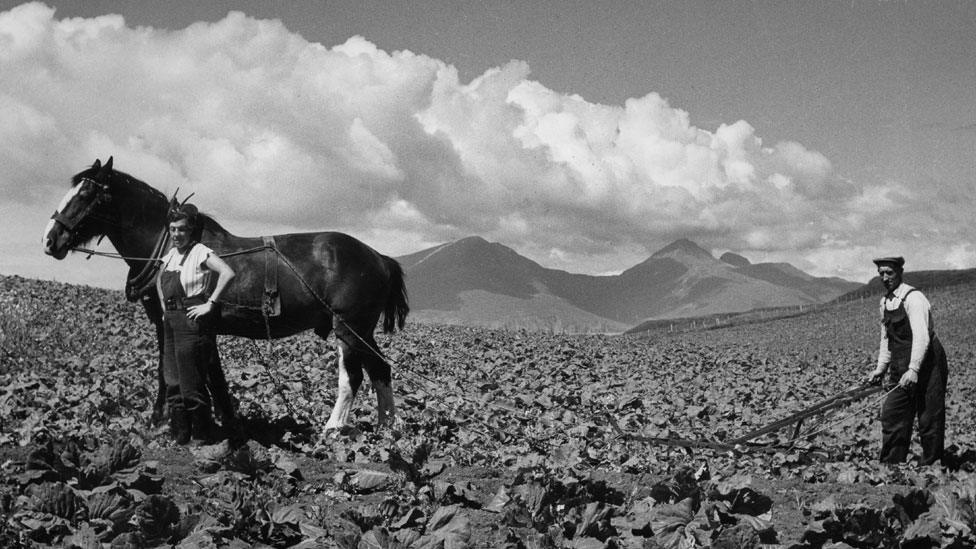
[(875, 375), (908, 379)]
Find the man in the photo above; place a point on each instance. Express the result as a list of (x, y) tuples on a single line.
[(916, 362)]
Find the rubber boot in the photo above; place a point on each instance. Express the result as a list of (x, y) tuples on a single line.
[(179, 425), (202, 428)]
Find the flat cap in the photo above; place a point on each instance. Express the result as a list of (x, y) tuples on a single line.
[(897, 262)]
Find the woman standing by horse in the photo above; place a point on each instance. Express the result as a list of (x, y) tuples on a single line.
[(326, 281), (189, 340)]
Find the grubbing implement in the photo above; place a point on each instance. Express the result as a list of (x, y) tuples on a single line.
[(741, 443)]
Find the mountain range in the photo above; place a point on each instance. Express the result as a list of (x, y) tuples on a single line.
[(479, 283)]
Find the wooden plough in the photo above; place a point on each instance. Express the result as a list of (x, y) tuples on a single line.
[(741, 443)]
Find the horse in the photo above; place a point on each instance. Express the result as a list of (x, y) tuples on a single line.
[(285, 284)]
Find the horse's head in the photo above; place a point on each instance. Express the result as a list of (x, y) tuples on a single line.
[(85, 211)]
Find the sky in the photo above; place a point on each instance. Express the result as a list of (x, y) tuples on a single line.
[(584, 135)]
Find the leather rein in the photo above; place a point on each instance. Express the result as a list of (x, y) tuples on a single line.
[(138, 283)]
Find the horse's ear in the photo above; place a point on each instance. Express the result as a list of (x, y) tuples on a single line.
[(97, 165), (108, 164)]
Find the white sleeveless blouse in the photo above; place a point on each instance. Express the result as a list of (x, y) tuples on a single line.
[(194, 273)]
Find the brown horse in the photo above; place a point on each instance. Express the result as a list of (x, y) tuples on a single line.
[(285, 284)]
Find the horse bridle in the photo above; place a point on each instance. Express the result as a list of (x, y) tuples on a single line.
[(102, 195), (138, 283)]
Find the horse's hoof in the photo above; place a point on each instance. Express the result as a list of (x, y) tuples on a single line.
[(333, 433), (325, 440)]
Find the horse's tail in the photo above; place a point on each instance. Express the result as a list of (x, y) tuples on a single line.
[(396, 308)]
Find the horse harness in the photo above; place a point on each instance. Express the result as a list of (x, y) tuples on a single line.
[(139, 285), (102, 196), (271, 300)]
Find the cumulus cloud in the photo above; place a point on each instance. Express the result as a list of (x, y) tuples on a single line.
[(961, 256), (271, 131)]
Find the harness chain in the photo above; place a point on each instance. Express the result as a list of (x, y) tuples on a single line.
[(383, 358), (331, 311), (137, 285), (115, 255), (153, 266), (274, 380), (370, 347)]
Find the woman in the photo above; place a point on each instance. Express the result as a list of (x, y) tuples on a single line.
[(189, 342)]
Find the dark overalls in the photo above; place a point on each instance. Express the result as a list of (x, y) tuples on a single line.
[(188, 347), (926, 399)]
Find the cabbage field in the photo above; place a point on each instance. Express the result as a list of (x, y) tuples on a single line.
[(503, 439)]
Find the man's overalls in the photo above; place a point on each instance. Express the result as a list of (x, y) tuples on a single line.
[(926, 399)]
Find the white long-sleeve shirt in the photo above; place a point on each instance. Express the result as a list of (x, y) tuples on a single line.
[(918, 309)]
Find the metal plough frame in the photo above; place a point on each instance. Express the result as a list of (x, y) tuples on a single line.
[(739, 444)]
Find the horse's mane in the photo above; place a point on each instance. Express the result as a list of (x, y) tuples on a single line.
[(121, 178), (125, 180), (211, 224)]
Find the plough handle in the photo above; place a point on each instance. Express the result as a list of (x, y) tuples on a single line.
[(836, 401), (736, 444)]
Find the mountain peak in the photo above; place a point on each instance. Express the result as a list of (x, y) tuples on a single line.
[(735, 260), (683, 246), (477, 246), (475, 249), (474, 281), (471, 241)]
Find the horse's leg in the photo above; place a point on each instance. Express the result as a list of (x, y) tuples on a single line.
[(224, 408), (155, 314), (381, 376), (350, 379)]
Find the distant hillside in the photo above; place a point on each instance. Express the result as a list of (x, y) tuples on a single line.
[(923, 280), (475, 282), (949, 283)]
